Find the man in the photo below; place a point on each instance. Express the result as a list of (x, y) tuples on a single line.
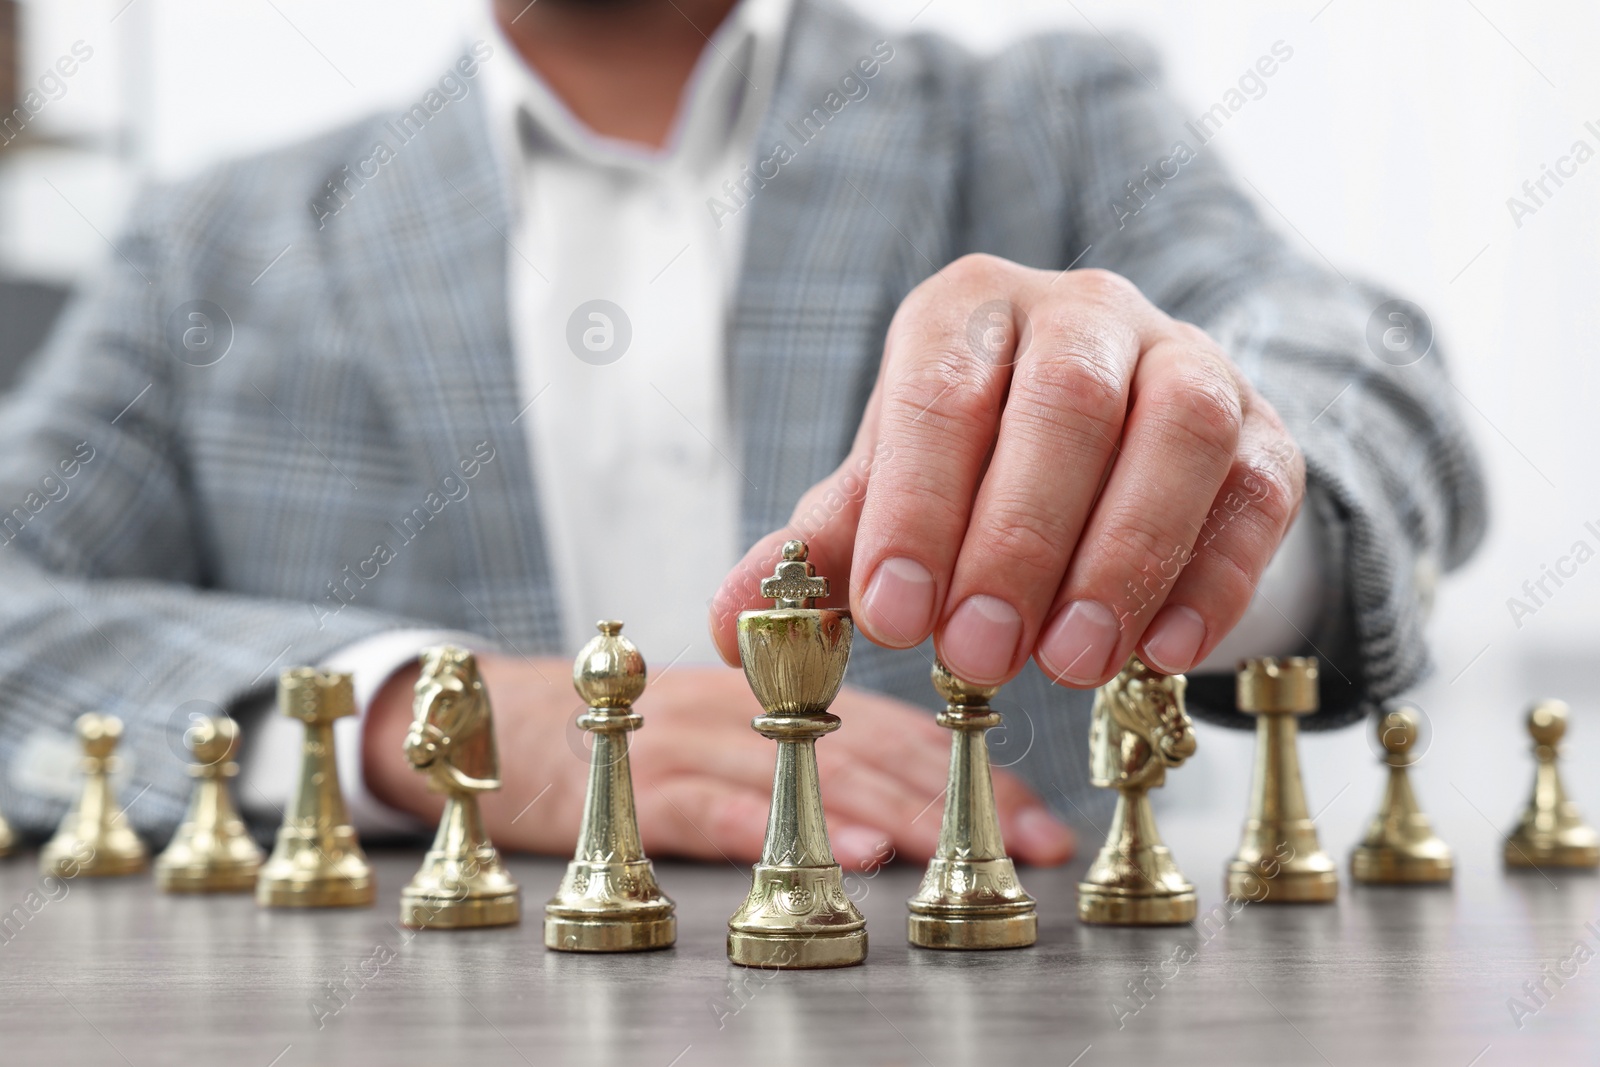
[(637, 289)]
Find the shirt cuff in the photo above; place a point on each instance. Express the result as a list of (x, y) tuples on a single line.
[(1288, 604), (267, 772)]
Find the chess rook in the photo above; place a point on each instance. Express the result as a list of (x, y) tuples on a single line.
[(1279, 860), (1134, 880), (608, 900), (212, 852), (1551, 832), (794, 657), (317, 861), (95, 839), (462, 881), (970, 897), (1400, 847)]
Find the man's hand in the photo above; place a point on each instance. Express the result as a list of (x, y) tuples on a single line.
[(702, 778), (1048, 466)]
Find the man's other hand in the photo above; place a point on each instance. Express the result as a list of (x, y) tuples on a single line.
[(702, 778)]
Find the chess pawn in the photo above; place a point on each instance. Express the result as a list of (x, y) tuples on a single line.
[(211, 852), (608, 900), (1552, 832), (1400, 847), (794, 657), (317, 861), (970, 896), (95, 839), (462, 881), (1138, 730), (1279, 859)]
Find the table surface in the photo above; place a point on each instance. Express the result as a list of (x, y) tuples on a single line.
[(115, 972)]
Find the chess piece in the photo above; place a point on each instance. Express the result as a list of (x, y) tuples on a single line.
[(95, 839), (462, 881), (1280, 860), (1139, 730), (317, 861), (1552, 832), (8, 840), (1400, 847), (608, 900), (794, 658), (970, 896), (211, 852)]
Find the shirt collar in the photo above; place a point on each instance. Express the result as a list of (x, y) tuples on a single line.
[(727, 94)]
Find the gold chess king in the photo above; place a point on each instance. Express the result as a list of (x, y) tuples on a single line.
[(794, 656)]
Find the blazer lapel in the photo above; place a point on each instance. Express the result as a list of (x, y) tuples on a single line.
[(421, 255), (863, 209)]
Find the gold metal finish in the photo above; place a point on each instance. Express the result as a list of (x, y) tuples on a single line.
[(211, 852), (609, 900), (1139, 730), (1552, 832), (1280, 860), (794, 657), (95, 839), (317, 861), (970, 896), (8, 840), (1400, 847), (462, 881)]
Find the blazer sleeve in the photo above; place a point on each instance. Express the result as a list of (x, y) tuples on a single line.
[(104, 571), (1141, 190)]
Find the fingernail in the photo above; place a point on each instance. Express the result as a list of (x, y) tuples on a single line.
[(1043, 837), (1078, 645), (1174, 638), (981, 638), (898, 604), (856, 846)]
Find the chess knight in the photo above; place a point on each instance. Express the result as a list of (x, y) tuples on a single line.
[(462, 881), (1139, 730)]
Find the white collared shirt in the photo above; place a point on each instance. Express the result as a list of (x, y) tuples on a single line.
[(620, 283)]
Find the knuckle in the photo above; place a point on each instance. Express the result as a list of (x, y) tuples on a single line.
[(1138, 538), (1023, 535), (1103, 286), (1193, 336), (978, 270), (1275, 490), (1203, 408), (1080, 387), (1233, 569), (1086, 375), (943, 387)]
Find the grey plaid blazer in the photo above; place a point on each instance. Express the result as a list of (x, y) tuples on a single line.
[(208, 507)]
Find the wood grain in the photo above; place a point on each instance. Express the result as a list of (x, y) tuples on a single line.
[(118, 973)]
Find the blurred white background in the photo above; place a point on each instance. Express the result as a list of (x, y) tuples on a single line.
[(1389, 144)]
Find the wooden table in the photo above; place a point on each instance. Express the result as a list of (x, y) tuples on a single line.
[(115, 972)]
